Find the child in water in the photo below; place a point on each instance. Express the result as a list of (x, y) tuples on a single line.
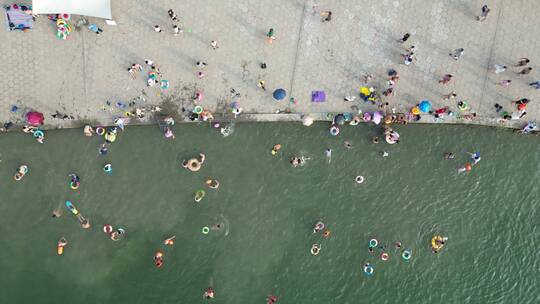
[(328, 153)]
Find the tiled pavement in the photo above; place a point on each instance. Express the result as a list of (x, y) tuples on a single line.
[(79, 75)]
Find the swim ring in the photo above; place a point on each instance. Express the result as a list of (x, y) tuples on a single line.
[(199, 195), (385, 256), (21, 172), (368, 269), (334, 130), (367, 117), (373, 243), (74, 185), (107, 168), (315, 249), (355, 121), (198, 110), (100, 131), (463, 105), (359, 179), (406, 255), (108, 229), (205, 230), (437, 243), (110, 136), (38, 133), (193, 164)]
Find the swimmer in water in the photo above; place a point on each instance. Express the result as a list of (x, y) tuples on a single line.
[(319, 226), (117, 234), (384, 154), (276, 148), (209, 293), (326, 233), (158, 259), (475, 157), (449, 156), (216, 227), (271, 299), (375, 140), (328, 153), (315, 249), (347, 144), (74, 177), (85, 223), (212, 183), (169, 241), (56, 213), (103, 149), (295, 161), (359, 179), (398, 244), (466, 168)]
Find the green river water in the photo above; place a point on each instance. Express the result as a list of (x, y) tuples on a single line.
[(267, 210)]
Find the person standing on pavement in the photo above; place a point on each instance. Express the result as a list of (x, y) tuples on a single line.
[(157, 28), (483, 14), (176, 30), (270, 35), (404, 38), (172, 15)]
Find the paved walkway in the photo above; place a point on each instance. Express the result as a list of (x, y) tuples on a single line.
[(78, 76)]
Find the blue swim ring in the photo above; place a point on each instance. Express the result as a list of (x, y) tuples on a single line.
[(406, 255), (38, 133), (368, 270), (373, 243)]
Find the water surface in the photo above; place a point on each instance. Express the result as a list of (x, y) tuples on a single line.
[(268, 209)]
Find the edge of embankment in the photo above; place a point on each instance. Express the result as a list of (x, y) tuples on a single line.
[(282, 117)]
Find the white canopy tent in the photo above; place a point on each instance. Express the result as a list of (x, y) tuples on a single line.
[(92, 8)]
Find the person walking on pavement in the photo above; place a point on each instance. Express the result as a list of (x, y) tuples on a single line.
[(504, 83), (446, 79), (214, 44), (94, 28), (261, 85), (535, 85), (157, 28), (457, 53), (483, 14), (522, 62), (525, 71), (450, 95), (498, 68)]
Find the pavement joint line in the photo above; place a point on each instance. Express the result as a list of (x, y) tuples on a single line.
[(298, 45), (492, 47)]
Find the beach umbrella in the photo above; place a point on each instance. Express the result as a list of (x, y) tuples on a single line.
[(35, 118), (279, 94), (425, 106), (377, 117)]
